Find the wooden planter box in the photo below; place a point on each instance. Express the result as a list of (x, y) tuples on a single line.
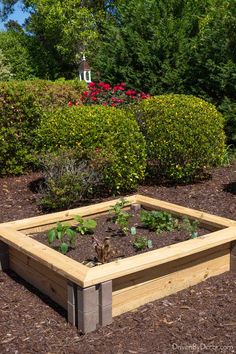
[(92, 296)]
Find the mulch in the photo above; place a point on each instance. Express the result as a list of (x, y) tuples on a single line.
[(200, 319)]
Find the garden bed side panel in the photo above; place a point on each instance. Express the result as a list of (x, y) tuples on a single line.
[(41, 277), (134, 290)]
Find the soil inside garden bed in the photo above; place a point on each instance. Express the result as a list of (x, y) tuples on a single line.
[(121, 244)]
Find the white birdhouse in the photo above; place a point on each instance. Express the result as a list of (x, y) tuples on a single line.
[(84, 70)]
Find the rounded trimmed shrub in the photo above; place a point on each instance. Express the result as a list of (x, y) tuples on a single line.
[(107, 135), (21, 107), (184, 136)]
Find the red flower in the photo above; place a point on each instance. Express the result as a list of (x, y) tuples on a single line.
[(70, 103), (123, 84), (113, 105), (104, 103), (85, 93), (94, 98), (106, 87), (116, 88), (91, 84), (130, 92)]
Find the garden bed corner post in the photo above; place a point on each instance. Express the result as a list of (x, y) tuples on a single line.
[(4, 256), (89, 307), (233, 258)]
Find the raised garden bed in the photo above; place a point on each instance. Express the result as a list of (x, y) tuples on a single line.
[(93, 296)]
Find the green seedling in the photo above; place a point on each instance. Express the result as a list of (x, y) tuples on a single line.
[(64, 234), (118, 206), (141, 242), (157, 220), (121, 218), (85, 225), (190, 227)]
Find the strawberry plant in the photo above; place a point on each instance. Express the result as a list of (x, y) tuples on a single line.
[(85, 226), (157, 220), (64, 234)]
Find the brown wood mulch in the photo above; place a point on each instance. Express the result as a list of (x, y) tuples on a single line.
[(200, 319)]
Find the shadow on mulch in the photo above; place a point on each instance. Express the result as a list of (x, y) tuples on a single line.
[(42, 297), (37, 185), (230, 188)]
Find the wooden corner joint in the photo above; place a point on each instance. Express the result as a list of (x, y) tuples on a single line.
[(4, 256), (89, 307), (233, 257)]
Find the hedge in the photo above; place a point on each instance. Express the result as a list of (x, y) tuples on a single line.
[(21, 107), (184, 136), (106, 135)]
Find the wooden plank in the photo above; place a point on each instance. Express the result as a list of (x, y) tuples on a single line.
[(64, 215), (163, 255), (39, 281), (209, 220), (200, 269), (65, 266), (38, 267), (167, 268), (34, 230)]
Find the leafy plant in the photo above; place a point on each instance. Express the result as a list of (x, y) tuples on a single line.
[(190, 227), (62, 232), (157, 220), (141, 242), (111, 134), (85, 225), (184, 136), (22, 105), (120, 218), (67, 179), (118, 206)]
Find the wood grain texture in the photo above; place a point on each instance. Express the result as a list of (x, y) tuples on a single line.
[(65, 266), (40, 281), (212, 222), (164, 281), (50, 219), (154, 258)]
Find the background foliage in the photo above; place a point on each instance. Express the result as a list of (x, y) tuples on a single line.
[(21, 106), (184, 137)]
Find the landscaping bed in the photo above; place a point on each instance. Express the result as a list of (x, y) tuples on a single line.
[(213, 195), (93, 296), (124, 244)]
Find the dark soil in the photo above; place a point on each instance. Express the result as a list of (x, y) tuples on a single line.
[(121, 243), (200, 319)]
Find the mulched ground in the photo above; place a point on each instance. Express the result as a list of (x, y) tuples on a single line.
[(200, 319), (121, 244)]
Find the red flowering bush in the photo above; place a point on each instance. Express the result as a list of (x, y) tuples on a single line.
[(104, 94)]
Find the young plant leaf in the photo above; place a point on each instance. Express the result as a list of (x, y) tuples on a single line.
[(63, 247), (51, 236)]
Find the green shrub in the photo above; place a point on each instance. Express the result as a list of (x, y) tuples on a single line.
[(21, 106), (67, 180), (107, 136), (184, 136)]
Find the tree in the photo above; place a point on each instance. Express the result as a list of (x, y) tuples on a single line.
[(14, 47), (65, 29), (5, 68)]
